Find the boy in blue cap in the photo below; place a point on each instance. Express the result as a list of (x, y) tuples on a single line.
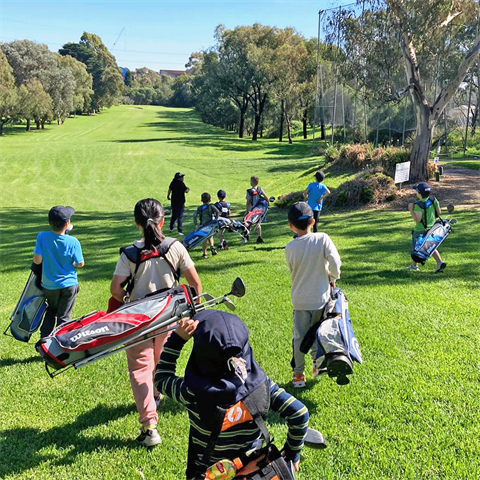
[(59, 254), (424, 213), (223, 376)]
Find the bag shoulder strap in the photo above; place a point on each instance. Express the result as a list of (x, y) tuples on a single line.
[(257, 403), (134, 255)]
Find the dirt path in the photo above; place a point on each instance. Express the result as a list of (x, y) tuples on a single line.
[(459, 186)]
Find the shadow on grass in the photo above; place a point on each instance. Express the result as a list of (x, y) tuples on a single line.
[(21, 447), (9, 362)]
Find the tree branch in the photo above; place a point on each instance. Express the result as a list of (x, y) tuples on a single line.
[(448, 91)]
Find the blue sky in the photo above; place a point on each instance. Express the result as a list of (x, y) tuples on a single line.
[(157, 34)]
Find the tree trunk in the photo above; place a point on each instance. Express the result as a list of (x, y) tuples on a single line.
[(242, 124), (304, 122), (28, 125), (282, 116), (255, 127), (37, 123), (421, 145), (289, 131), (322, 131), (43, 124)]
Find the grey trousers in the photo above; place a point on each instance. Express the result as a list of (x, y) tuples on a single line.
[(59, 307), (302, 321)]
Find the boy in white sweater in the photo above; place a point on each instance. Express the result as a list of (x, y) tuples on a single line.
[(314, 265)]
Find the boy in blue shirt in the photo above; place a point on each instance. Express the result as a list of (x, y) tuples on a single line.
[(59, 254), (314, 194)]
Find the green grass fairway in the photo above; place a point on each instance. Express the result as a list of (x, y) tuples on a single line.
[(411, 410)]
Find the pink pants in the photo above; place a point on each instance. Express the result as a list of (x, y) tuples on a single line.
[(142, 361)]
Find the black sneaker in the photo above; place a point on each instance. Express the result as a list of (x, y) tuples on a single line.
[(149, 437), (260, 240), (212, 249), (225, 245)]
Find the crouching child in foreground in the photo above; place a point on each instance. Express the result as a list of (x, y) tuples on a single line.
[(227, 396)]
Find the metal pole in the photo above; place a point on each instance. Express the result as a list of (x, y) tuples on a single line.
[(315, 116), (343, 115)]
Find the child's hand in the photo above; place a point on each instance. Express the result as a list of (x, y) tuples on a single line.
[(296, 466), (410, 207), (186, 328)]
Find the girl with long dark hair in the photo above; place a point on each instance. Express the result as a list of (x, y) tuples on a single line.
[(156, 265)]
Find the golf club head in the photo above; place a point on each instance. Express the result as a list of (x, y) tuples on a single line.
[(450, 208), (271, 199), (166, 212), (229, 304), (238, 288), (315, 439), (453, 221), (207, 297)]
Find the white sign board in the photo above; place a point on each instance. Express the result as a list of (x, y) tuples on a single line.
[(402, 172)]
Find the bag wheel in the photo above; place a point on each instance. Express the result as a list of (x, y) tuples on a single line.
[(339, 366)]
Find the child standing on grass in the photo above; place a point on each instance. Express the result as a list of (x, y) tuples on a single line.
[(149, 272), (222, 384), (424, 213), (204, 214), (253, 196), (315, 193), (59, 254), (224, 208), (314, 265)]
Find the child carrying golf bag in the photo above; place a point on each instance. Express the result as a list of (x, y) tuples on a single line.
[(227, 396), (337, 345)]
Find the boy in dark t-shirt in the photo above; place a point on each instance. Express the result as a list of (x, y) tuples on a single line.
[(176, 194), (224, 209)]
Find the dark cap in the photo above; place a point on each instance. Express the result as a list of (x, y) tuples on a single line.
[(179, 175), (299, 211), (422, 188), (60, 214)]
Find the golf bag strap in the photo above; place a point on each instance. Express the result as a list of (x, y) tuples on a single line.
[(133, 253), (257, 403), (425, 207), (218, 421), (37, 271)]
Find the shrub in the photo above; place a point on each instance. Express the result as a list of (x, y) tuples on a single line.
[(368, 187), (288, 199), (352, 156), (332, 154)]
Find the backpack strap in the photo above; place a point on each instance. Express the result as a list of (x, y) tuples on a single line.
[(134, 255), (257, 403), (425, 206)]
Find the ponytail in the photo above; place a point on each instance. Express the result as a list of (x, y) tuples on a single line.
[(149, 214)]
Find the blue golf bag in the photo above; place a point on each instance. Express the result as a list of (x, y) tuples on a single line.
[(337, 346), (429, 242), (211, 228), (28, 314)]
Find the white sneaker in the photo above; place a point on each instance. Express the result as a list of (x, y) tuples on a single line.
[(181, 234), (158, 400), (413, 267), (149, 437), (440, 267)]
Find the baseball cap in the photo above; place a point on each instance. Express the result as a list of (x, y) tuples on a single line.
[(179, 175), (299, 211), (221, 194), (60, 214), (422, 187)]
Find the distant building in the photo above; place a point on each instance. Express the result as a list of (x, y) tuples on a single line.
[(172, 73)]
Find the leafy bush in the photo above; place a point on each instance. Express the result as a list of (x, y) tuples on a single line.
[(332, 154), (368, 187), (288, 199)]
